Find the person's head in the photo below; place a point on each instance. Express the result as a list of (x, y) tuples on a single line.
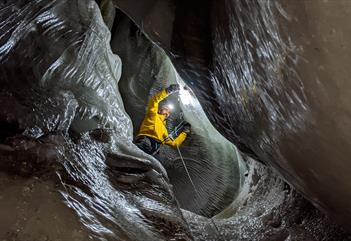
[(165, 111)]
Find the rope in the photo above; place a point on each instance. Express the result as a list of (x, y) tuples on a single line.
[(175, 130), (197, 193), (187, 172)]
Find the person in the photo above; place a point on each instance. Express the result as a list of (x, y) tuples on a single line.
[(153, 132)]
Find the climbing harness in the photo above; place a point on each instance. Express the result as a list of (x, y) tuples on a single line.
[(171, 135)]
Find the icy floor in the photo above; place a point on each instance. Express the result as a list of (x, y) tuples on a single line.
[(267, 209)]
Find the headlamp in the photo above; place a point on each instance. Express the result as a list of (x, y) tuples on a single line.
[(170, 106)]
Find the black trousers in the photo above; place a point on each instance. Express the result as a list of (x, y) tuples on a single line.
[(148, 145)]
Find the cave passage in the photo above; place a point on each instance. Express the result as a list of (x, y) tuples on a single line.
[(213, 163), (76, 76)]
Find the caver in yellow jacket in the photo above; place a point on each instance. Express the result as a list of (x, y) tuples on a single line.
[(154, 124)]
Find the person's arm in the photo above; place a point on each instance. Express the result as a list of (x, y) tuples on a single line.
[(155, 100), (158, 97), (177, 141)]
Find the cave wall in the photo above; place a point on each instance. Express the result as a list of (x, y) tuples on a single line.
[(279, 89), (212, 161), (65, 136), (68, 147)]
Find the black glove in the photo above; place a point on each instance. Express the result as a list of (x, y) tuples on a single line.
[(172, 88), (187, 128)]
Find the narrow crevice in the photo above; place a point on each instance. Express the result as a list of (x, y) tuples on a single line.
[(7, 130)]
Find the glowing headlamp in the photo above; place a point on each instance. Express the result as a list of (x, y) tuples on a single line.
[(170, 106)]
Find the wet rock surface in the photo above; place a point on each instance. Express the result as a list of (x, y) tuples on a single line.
[(213, 163), (261, 76), (279, 89), (267, 209), (47, 181), (64, 124), (32, 209)]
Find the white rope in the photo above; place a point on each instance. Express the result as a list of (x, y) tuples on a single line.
[(196, 192)]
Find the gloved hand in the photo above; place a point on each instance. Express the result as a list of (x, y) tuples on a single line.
[(172, 88), (187, 128)]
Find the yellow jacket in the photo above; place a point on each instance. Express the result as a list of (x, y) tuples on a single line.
[(153, 124)]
